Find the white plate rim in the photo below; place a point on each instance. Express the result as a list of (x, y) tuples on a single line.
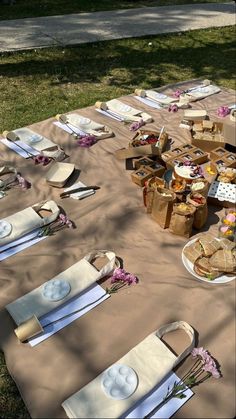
[(123, 108), (83, 121), (119, 366), (9, 225), (223, 279), (34, 141)]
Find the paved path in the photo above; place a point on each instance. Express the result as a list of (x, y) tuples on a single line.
[(80, 28)]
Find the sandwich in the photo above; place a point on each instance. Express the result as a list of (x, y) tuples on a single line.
[(193, 252), (209, 244), (224, 260), (203, 268)]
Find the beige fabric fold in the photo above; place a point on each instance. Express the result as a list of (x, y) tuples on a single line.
[(150, 359), (24, 135), (28, 219), (80, 276)]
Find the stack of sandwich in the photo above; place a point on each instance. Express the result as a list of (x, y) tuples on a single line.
[(212, 257)]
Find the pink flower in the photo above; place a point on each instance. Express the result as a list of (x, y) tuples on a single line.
[(65, 220), (120, 279), (42, 159), (173, 108), (136, 125), (209, 364), (200, 352), (177, 93), (223, 111), (87, 141), (23, 183)]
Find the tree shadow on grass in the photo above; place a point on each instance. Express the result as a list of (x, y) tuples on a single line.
[(130, 63)]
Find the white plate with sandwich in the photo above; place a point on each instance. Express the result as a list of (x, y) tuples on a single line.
[(210, 259)]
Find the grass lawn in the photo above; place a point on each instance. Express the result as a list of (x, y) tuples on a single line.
[(35, 85), (33, 8), (38, 84)]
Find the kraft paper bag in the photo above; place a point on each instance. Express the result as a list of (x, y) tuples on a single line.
[(201, 213), (148, 191), (182, 219), (162, 207)]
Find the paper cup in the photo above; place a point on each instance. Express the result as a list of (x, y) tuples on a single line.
[(28, 329)]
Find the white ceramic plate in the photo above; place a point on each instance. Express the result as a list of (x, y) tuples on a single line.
[(35, 138), (84, 121), (123, 108), (56, 289), (5, 229), (119, 382), (189, 266)]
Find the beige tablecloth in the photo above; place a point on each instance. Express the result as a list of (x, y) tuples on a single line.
[(114, 218)]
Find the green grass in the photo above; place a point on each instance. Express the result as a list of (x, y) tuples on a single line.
[(35, 85), (38, 84), (33, 8), (11, 404)]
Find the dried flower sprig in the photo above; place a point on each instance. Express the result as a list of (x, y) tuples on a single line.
[(136, 125), (41, 159), (203, 368), (61, 222), (178, 93), (223, 111), (86, 141), (173, 108), (120, 279), (22, 182)]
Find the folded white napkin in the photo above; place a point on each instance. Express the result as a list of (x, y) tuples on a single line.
[(155, 397), (69, 128), (33, 139), (16, 246), (19, 150), (148, 102), (84, 302), (111, 115), (79, 195)]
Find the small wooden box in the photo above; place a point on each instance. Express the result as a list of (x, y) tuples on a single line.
[(177, 152), (156, 169), (230, 158), (221, 154), (136, 149), (217, 153), (199, 156), (207, 135), (143, 161), (140, 176)]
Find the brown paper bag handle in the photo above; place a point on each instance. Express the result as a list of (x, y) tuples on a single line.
[(170, 327)]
